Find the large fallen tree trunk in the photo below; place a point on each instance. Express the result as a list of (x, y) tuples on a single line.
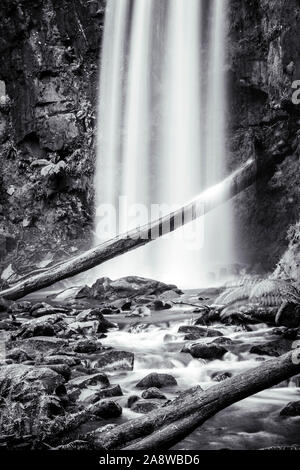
[(207, 201), (169, 424)]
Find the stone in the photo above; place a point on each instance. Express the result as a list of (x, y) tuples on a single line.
[(145, 406), (95, 314), (87, 346), (68, 360), (48, 325), (84, 381), (197, 332), (89, 327), (113, 359), (291, 410), (223, 341), (4, 305), (206, 351), (58, 131), (51, 406), (18, 355), (42, 345), (170, 295), (221, 376), (124, 305), (140, 312), (106, 409), (157, 380), (111, 391), (104, 289), (161, 305), (153, 392), (85, 328), (288, 315), (19, 381), (273, 348), (62, 369), (43, 311), (92, 395), (131, 400), (20, 307), (110, 310)]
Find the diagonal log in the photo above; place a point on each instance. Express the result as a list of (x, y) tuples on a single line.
[(207, 201), (166, 426)]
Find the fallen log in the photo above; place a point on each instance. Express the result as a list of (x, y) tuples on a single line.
[(238, 181), (164, 427)]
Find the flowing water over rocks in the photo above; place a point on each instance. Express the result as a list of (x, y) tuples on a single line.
[(111, 368)]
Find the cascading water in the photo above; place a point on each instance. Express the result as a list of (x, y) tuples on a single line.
[(161, 137)]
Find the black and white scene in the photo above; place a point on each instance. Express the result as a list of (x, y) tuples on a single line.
[(149, 228)]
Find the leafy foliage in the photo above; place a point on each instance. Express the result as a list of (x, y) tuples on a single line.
[(53, 169), (267, 292)]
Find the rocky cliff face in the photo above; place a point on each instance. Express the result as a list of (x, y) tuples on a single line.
[(48, 88), (264, 61), (49, 73)]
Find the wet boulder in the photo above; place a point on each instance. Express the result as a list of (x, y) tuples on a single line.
[(161, 305), (111, 391), (221, 376), (206, 351), (273, 348), (105, 289), (48, 325), (51, 406), (84, 328), (41, 310), (291, 410), (20, 307), (141, 312), (62, 369), (153, 392), (113, 359), (66, 359), (90, 321), (4, 305), (39, 345), (157, 380), (86, 346), (94, 314), (106, 409), (288, 315), (197, 332), (110, 310), (223, 340), (99, 379), (19, 382), (18, 355), (91, 395), (145, 406), (132, 399), (170, 295)]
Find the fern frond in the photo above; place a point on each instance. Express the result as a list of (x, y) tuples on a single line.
[(274, 292), (234, 295)]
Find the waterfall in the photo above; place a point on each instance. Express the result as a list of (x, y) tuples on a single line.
[(161, 133), (218, 224)]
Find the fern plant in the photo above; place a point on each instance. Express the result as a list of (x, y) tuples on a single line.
[(266, 292)]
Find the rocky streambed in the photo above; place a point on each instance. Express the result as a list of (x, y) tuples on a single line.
[(76, 362)]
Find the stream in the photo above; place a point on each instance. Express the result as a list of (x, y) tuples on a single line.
[(253, 423)]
